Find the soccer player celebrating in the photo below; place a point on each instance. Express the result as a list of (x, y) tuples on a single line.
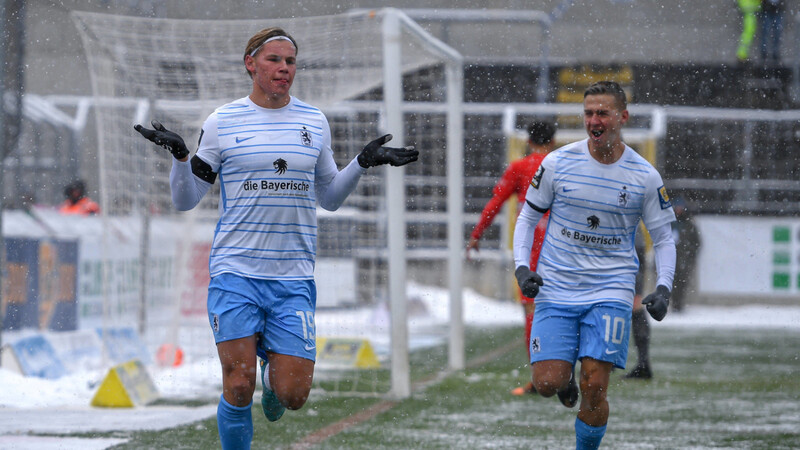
[(596, 191), (515, 181), (272, 153)]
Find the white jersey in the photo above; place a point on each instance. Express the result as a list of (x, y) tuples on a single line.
[(270, 163), (589, 254)]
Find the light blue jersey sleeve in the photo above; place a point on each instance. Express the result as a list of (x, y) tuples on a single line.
[(657, 209), (208, 149), (665, 254), (537, 201), (187, 189), (540, 193), (657, 215), (333, 186)]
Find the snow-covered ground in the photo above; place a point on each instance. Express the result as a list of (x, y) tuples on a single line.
[(34, 405)]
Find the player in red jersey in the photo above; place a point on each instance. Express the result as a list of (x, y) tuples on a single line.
[(515, 180)]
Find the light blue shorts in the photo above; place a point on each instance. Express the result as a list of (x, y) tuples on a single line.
[(280, 312), (571, 332)]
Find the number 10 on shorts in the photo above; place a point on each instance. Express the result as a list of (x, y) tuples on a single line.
[(615, 328)]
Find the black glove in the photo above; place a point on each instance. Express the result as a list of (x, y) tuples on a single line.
[(165, 138), (657, 302), (374, 154), (528, 281)]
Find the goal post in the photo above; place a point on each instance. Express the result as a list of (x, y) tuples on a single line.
[(394, 22)]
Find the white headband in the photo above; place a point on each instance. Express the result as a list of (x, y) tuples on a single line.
[(273, 38)]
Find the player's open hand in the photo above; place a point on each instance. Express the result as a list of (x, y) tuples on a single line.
[(375, 154), (528, 280), (657, 302), (165, 138)]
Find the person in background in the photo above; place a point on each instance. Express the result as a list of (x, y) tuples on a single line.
[(76, 200), (515, 181), (749, 8), (272, 153), (771, 27), (640, 325), (596, 190), (687, 242)]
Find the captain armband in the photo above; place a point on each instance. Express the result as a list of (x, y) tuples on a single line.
[(536, 208), (202, 170)]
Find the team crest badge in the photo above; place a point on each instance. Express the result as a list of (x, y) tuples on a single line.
[(663, 198), (622, 197), (537, 178), (305, 137), (535, 346)]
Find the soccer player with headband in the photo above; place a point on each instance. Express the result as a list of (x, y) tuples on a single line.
[(273, 157)]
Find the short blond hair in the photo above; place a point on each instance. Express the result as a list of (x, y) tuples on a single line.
[(259, 38)]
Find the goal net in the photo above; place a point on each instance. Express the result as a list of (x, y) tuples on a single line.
[(178, 72)]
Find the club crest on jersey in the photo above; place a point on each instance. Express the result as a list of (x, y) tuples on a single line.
[(663, 198), (622, 197), (280, 166), (537, 178), (305, 137), (535, 345)]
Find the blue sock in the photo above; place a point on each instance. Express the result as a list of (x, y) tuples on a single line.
[(235, 425), (587, 436)]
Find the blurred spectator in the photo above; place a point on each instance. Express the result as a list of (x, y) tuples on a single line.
[(771, 20), (749, 9), (76, 200), (640, 326), (687, 243)]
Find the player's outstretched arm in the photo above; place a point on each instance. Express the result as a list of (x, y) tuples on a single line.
[(187, 189), (658, 302), (165, 138), (375, 154), (333, 189), (528, 280)]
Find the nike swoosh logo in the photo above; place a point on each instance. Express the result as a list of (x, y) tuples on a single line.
[(310, 347), (239, 140), (611, 353), (564, 189)]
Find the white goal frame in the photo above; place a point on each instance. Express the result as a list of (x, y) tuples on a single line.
[(394, 23)]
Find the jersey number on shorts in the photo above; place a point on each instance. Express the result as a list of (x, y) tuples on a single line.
[(615, 329), (307, 319)]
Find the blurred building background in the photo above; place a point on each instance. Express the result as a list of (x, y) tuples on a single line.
[(678, 53)]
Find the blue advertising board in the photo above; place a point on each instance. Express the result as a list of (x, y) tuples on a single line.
[(37, 358), (39, 285)]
